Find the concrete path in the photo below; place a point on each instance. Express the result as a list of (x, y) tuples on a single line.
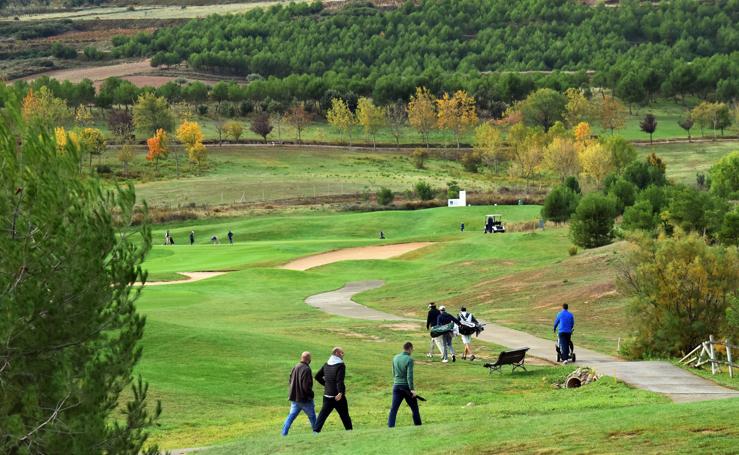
[(655, 376)]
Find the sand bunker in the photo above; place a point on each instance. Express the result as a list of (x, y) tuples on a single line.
[(191, 277), (354, 254)]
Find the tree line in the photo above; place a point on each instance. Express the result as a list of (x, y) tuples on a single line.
[(640, 49)]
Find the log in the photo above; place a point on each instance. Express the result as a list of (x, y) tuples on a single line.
[(690, 353)]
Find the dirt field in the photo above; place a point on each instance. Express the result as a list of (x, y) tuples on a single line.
[(354, 254)]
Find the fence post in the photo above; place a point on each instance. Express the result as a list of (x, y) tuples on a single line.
[(712, 351), (728, 357)]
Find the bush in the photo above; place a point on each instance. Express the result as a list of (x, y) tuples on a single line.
[(646, 173), (202, 109), (424, 191), (624, 193), (103, 169), (640, 216), (725, 176), (682, 291), (452, 189), (385, 196), (592, 224), (572, 250), (471, 160), (419, 157), (572, 183), (559, 204)]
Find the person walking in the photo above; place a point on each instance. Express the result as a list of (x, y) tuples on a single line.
[(431, 318), (467, 324), (192, 237), (331, 376), (443, 319), (167, 238), (461, 227), (403, 388), (230, 237), (301, 393), (565, 322)]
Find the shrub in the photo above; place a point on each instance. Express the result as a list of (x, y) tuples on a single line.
[(424, 191), (572, 250), (572, 183), (419, 157), (453, 189), (624, 193), (471, 160), (592, 224), (559, 204), (640, 216), (103, 169), (725, 176), (385, 196), (202, 109), (682, 291)]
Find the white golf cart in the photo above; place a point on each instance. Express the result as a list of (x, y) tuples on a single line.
[(494, 224)]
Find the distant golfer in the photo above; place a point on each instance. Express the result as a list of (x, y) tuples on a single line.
[(301, 393), (331, 376), (565, 321), (214, 239), (403, 385), (443, 319), (461, 227), (382, 235), (230, 236), (192, 237), (469, 322)]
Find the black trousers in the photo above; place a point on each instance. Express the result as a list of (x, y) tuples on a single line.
[(329, 404)]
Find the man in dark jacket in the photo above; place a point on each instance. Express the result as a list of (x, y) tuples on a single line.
[(301, 393), (443, 319), (431, 318), (331, 376)]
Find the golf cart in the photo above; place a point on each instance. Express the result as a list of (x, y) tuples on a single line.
[(494, 224)]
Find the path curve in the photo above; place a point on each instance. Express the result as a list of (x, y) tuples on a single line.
[(353, 254), (191, 277), (655, 376)]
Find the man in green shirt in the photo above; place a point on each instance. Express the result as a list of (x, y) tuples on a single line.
[(403, 385)]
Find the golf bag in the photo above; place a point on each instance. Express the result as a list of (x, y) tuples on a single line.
[(439, 330)]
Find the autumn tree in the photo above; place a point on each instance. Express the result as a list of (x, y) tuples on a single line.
[(611, 113), (456, 113), (190, 134), (157, 147), (234, 130), (712, 115), (370, 117), (681, 288), (261, 125), (621, 151), (527, 150), (419, 157), (340, 117), (152, 113), (578, 108), (43, 107), (65, 139), (422, 113), (120, 123), (397, 117), (687, 123), (649, 125), (596, 162), (489, 144), (125, 156), (92, 142), (561, 157), (299, 118)]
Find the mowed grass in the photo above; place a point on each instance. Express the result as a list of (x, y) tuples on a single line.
[(218, 352), (265, 174), (684, 161)]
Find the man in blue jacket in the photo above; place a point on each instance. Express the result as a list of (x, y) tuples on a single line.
[(566, 323), (443, 319)]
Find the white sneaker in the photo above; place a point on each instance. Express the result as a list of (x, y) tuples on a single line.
[(445, 361), (429, 355)]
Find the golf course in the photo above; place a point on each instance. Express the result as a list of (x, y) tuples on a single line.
[(218, 351)]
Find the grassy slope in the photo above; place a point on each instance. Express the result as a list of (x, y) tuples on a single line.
[(685, 160), (218, 352)]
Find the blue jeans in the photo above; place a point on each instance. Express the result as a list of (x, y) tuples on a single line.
[(295, 407), (400, 393), (564, 344)]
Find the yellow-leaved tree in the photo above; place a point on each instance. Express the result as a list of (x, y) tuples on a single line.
[(578, 108), (596, 162), (190, 134), (422, 113), (456, 113), (65, 138), (562, 158), (42, 106), (489, 144), (341, 117), (527, 150), (92, 142), (371, 117)]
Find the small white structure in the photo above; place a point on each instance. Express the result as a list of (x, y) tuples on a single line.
[(460, 202)]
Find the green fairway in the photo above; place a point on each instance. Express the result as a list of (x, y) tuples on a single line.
[(218, 352), (684, 161)]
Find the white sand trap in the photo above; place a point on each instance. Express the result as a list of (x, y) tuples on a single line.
[(354, 254), (191, 277)]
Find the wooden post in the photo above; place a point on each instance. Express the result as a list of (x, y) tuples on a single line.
[(728, 357), (712, 351)]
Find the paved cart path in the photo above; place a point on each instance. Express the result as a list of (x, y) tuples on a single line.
[(656, 376)]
